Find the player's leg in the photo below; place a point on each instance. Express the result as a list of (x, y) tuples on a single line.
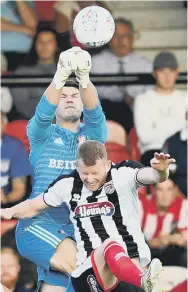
[(111, 261), (124, 268), (64, 258), (40, 243), (49, 288), (48, 248)]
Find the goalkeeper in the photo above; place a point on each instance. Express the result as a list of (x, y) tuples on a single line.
[(47, 239)]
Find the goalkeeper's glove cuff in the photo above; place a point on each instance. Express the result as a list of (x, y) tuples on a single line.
[(82, 79), (60, 79)]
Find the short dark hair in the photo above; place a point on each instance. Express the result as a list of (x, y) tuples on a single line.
[(71, 83), (124, 21), (91, 151)]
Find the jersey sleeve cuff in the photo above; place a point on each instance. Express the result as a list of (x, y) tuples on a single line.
[(91, 113), (136, 178), (46, 201)]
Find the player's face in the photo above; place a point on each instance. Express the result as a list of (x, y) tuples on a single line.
[(122, 41), (166, 77), (46, 46), (93, 176), (70, 106), (10, 268), (165, 193)]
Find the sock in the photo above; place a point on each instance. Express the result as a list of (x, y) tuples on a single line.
[(121, 265)]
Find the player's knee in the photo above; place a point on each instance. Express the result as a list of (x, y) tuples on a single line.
[(60, 265), (64, 258)]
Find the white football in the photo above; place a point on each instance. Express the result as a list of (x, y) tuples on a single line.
[(94, 26)]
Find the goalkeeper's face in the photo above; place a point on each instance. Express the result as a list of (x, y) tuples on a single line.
[(70, 106)]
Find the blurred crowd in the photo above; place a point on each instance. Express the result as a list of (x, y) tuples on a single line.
[(142, 120)]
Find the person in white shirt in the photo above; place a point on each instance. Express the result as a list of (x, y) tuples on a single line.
[(160, 112), (120, 58)]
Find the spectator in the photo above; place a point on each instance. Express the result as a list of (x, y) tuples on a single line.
[(15, 168), (177, 148), (10, 271), (120, 58), (160, 112), (6, 97), (6, 100), (164, 224), (28, 273), (66, 12), (18, 24), (41, 61)]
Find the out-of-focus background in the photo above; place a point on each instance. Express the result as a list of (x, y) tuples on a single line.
[(146, 112)]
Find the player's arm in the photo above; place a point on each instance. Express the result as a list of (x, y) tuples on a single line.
[(94, 118), (26, 209), (52, 197), (39, 125), (158, 172)]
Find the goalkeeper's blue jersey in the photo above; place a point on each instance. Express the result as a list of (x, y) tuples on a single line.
[(54, 150)]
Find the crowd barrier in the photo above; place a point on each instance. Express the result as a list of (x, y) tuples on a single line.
[(128, 79)]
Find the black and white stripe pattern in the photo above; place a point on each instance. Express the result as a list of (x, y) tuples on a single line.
[(111, 212)]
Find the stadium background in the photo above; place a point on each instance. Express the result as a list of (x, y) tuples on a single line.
[(159, 26)]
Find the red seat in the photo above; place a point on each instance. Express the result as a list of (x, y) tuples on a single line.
[(45, 10), (135, 152), (116, 145), (17, 129), (116, 152)]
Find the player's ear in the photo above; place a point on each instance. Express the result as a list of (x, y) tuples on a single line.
[(108, 165)]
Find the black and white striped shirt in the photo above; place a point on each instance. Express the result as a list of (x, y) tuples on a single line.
[(112, 211)]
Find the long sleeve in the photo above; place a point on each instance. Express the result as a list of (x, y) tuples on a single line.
[(95, 124), (39, 126)]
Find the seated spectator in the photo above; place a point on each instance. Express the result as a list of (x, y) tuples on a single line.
[(28, 273), (6, 100), (18, 25), (15, 168), (159, 113), (6, 97), (164, 224), (66, 12), (177, 148), (40, 61), (120, 58), (10, 271)]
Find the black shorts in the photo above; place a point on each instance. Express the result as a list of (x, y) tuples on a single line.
[(86, 278)]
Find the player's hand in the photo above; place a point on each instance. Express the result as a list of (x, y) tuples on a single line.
[(83, 67), (6, 213), (161, 161), (66, 65)]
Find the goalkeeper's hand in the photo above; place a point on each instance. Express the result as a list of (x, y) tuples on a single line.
[(83, 67), (66, 65)]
